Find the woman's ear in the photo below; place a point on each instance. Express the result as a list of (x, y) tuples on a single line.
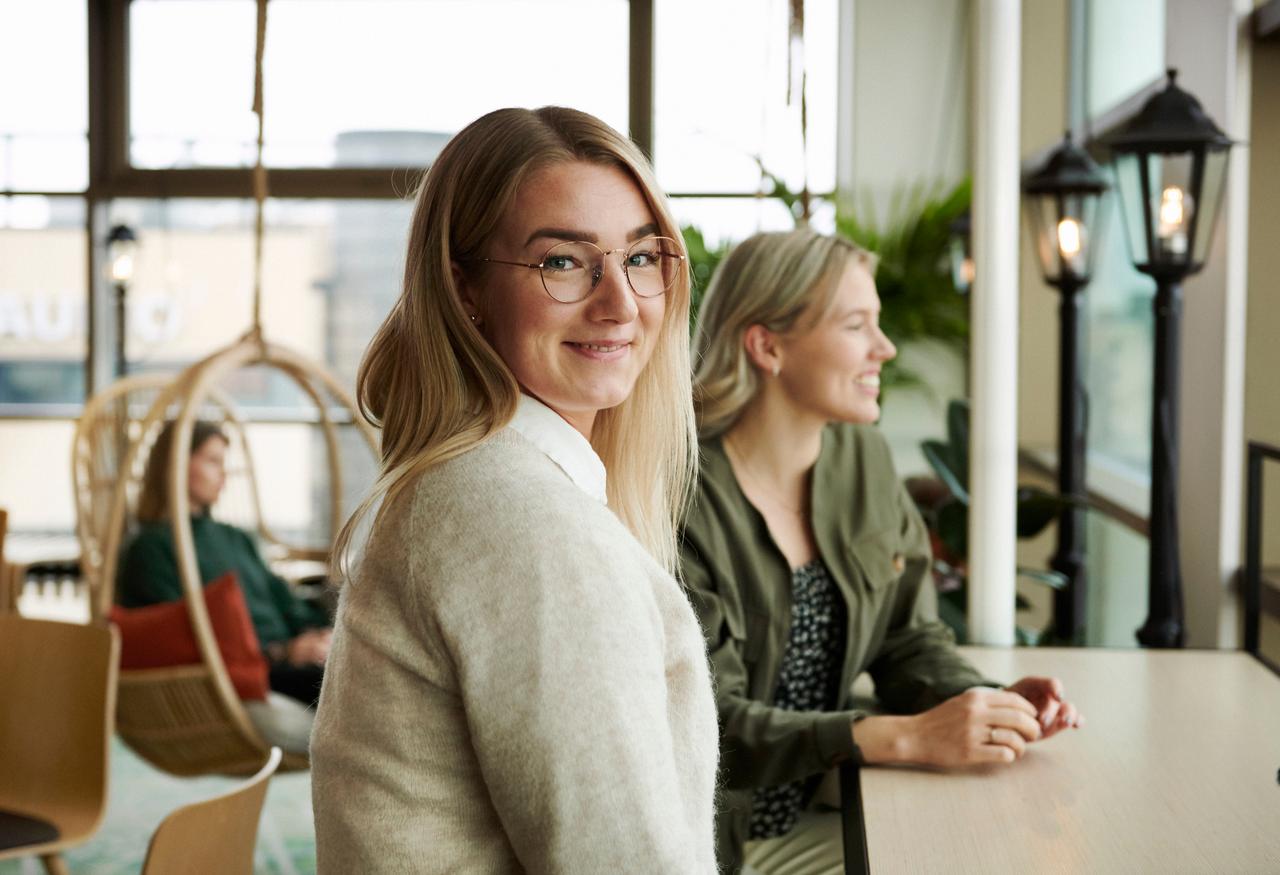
[(761, 345), (465, 293)]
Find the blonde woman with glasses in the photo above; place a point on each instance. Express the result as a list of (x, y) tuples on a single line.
[(808, 564), (517, 681)]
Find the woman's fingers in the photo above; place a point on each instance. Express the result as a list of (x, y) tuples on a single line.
[(1017, 721), (993, 753), (1009, 738), (1052, 712), (1010, 699)]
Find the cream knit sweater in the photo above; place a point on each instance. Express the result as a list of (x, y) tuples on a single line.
[(515, 685)]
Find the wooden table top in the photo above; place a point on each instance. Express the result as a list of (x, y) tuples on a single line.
[(1176, 770)]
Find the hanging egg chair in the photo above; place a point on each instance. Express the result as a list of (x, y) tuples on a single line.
[(110, 422), (189, 720)]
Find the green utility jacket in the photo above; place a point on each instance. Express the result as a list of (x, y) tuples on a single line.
[(149, 575), (876, 547)]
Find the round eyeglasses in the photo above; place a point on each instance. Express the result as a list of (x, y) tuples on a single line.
[(572, 270)]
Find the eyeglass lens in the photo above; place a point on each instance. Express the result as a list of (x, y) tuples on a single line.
[(570, 271)]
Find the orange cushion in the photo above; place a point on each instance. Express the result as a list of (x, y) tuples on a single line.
[(159, 636)]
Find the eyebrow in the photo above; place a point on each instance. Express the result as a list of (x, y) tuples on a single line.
[(857, 311), (571, 234)]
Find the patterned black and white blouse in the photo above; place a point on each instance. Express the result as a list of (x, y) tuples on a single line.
[(807, 681)]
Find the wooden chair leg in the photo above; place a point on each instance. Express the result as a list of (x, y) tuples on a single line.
[(54, 864)]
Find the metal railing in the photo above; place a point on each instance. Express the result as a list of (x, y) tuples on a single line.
[(1258, 452)]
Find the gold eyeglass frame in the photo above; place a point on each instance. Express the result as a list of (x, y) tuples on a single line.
[(604, 253)]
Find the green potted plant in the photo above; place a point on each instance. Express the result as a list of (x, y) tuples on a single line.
[(944, 503)]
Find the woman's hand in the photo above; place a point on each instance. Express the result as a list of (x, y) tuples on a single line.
[(1054, 713), (978, 726), (310, 648)]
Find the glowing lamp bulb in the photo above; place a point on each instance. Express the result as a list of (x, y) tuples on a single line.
[(1171, 207), (1172, 214), (1069, 238), (122, 267)]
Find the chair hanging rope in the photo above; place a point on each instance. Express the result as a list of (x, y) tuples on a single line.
[(259, 170)]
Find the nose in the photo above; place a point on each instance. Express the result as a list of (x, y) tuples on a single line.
[(612, 299), (885, 350)]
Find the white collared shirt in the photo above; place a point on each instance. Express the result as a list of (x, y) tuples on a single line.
[(562, 443)]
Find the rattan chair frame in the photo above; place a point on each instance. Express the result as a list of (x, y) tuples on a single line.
[(88, 477), (188, 720)]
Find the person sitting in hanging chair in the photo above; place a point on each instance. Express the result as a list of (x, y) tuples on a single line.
[(293, 634)]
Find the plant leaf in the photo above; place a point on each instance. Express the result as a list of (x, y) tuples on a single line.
[(1026, 637), (1051, 579), (942, 459), (953, 528), (951, 612), (1037, 508), (958, 437)]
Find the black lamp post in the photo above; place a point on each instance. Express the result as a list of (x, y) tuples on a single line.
[(122, 247), (1062, 198), (1171, 170)]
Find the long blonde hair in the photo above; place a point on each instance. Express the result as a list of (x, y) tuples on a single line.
[(437, 388), (784, 281)]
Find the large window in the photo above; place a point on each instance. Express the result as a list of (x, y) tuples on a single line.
[(353, 87), (337, 71), (331, 270), (43, 151), (44, 104), (721, 83), (42, 300), (1122, 53)]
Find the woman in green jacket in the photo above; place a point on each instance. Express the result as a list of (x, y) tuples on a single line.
[(808, 564), (294, 636)]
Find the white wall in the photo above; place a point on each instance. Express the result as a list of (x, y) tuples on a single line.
[(909, 130)]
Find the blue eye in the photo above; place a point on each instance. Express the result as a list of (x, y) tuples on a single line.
[(643, 259), (559, 262)]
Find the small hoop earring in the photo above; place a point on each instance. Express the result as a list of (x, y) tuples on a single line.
[(473, 319)]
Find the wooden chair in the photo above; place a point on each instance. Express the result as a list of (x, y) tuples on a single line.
[(9, 582), (57, 701), (216, 836)]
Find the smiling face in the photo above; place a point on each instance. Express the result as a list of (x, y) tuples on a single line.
[(578, 358), (832, 370), (207, 473)]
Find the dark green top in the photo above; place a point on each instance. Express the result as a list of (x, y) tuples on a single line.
[(875, 546), (149, 575)]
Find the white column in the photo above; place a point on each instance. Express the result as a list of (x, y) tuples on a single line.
[(846, 44), (1207, 42), (994, 341)]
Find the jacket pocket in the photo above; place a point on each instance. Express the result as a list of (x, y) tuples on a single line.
[(879, 557)]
